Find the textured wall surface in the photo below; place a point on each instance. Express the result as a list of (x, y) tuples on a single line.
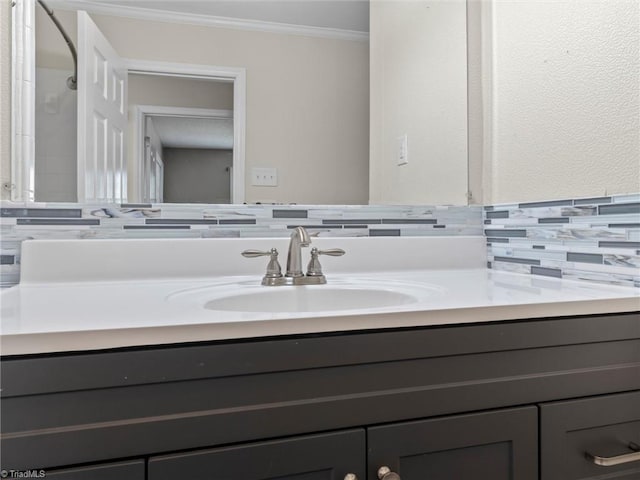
[(566, 99)]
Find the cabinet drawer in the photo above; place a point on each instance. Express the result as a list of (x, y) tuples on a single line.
[(496, 445), (574, 431), (134, 470), (314, 457)]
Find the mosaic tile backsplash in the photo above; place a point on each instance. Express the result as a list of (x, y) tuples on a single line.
[(588, 239), (60, 220)]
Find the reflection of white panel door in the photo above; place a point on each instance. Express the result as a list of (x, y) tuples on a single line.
[(102, 117)]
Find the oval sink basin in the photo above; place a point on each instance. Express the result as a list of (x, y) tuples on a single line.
[(340, 295), (309, 299)]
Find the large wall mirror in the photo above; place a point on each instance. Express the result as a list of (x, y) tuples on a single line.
[(307, 102)]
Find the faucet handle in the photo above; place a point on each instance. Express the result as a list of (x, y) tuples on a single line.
[(315, 269), (273, 268), (258, 253), (334, 252)]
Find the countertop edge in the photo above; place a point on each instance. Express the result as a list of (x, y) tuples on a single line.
[(94, 340)]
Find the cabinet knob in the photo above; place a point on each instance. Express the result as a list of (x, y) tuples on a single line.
[(350, 476), (385, 473)]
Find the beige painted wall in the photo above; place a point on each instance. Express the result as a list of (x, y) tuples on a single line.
[(179, 92), (193, 175), (5, 97), (307, 100), (418, 87), (565, 96)]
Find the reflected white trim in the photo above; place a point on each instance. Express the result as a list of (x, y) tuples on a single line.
[(23, 94), (209, 20)]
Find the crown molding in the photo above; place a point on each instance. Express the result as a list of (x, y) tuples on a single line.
[(208, 20)]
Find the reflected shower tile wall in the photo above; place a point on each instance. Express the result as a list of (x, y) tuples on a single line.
[(66, 220), (589, 239)]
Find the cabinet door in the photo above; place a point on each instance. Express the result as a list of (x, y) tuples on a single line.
[(317, 457), (573, 433), (117, 471), (500, 445)]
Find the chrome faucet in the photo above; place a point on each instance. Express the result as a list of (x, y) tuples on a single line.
[(299, 238), (294, 274)]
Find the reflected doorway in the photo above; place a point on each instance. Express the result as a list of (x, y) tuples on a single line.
[(188, 155)]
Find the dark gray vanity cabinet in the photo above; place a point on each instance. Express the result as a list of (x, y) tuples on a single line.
[(331, 456), (459, 402), (591, 438), (132, 470), (497, 445)]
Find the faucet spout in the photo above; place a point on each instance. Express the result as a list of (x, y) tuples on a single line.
[(299, 238)]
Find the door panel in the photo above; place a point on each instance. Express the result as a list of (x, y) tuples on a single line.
[(500, 445), (102, 116), (493, 460), (134, 470), (315, 457), (601, 426)]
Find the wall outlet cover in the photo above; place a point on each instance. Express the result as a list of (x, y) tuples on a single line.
[(264, 177)]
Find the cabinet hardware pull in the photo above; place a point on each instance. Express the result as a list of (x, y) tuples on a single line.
[(385, 473), (350, 476), (618, 460)]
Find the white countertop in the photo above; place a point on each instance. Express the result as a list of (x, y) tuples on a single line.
[(93, 315)]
